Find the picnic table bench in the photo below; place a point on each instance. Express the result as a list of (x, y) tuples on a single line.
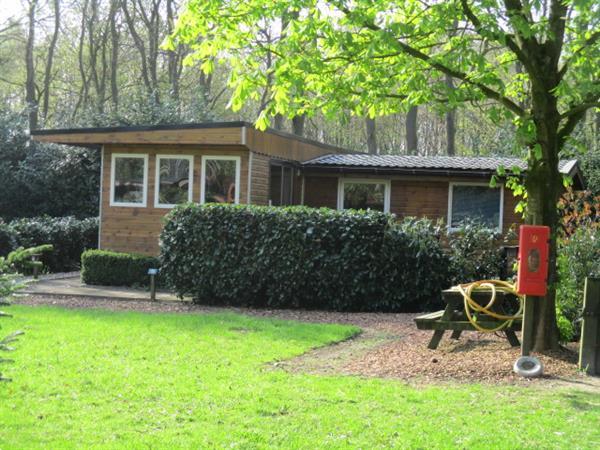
[(453, 317)]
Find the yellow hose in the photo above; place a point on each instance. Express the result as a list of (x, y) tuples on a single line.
[(472, 306)]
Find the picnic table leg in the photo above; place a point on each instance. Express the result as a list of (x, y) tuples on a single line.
[(456, 334), (438, 334), (435, 340), (512, 338)]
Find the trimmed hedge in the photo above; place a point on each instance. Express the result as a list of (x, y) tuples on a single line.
[(298, 257), (102, 267), (69, 236)]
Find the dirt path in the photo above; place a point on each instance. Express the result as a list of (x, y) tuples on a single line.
[(389, 346)]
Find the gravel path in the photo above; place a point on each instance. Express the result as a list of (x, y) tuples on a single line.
[(390, 346)]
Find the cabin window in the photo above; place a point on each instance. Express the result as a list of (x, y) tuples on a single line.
[(281, 185), (475, 202), (173, 180), (220, 179), (364, 194), (129, 179)]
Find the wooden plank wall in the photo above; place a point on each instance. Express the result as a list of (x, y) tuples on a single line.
[(289, 148), (408, 197), (136, 229), (259, 190)]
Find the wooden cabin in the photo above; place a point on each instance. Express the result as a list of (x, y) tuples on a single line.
[(147, 170)]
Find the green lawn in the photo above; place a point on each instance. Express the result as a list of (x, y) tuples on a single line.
[(129, 380)]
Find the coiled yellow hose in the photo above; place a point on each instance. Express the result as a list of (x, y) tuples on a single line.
[(472, 306)]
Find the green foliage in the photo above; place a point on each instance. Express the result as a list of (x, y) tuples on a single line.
[(39, 179), (378, 57), (590, 165), (299, 257), (475, 253), (8, 241), (69, 236), (578, 258), (101, 267), (8, 286), (22, 261)]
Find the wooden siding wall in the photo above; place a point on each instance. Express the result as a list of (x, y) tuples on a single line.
[(283, 147), (259, 190), (136, 229), (408, 197), (320, 191)]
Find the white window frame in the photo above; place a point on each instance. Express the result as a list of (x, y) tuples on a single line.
[(343, 181), (238, 169), (113, 168), (467, 183), (190, 196)]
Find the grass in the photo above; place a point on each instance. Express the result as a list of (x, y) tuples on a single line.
[(87, 378)]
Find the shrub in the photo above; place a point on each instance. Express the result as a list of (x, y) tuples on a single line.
[(298, 257), (579, 209), (8, 241), (108, 268), (475, 253), (21, 259), (69, 236), (578, 258)]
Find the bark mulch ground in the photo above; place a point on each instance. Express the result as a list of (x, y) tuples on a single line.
[(389, 346)]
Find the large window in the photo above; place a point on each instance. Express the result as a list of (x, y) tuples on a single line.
[(173, 180), (220, 179), (476, 202), (129, 180), (364, 194), (281, 185)]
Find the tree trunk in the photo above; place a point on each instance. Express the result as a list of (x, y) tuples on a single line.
[(412, 143), (114, 54), (30, 90), (371, 136), (450, 124), (544, 187), (50, 60), (298, 125)]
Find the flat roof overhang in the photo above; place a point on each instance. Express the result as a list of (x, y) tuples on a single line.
[(214, 133)]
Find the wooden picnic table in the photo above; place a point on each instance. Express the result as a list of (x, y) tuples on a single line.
[(453, 317)]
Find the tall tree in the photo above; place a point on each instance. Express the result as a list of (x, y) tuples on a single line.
[(371, 136), (342, 54), (450, 123), (31, 96), (115, 37), (50, 60), (412, 131)]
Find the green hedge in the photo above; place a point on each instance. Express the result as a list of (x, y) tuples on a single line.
[(300, 257), (69, 236), (101, 267)]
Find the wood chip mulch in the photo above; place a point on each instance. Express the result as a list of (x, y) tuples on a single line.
[(390, 346)]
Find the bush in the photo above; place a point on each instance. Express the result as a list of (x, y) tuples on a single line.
[(578, 258), (475, 253), (299, 257), (8, 241), (101, 267), (69, 236)]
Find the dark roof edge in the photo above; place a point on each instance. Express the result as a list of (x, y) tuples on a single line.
[(399, 170), (121, 129)]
